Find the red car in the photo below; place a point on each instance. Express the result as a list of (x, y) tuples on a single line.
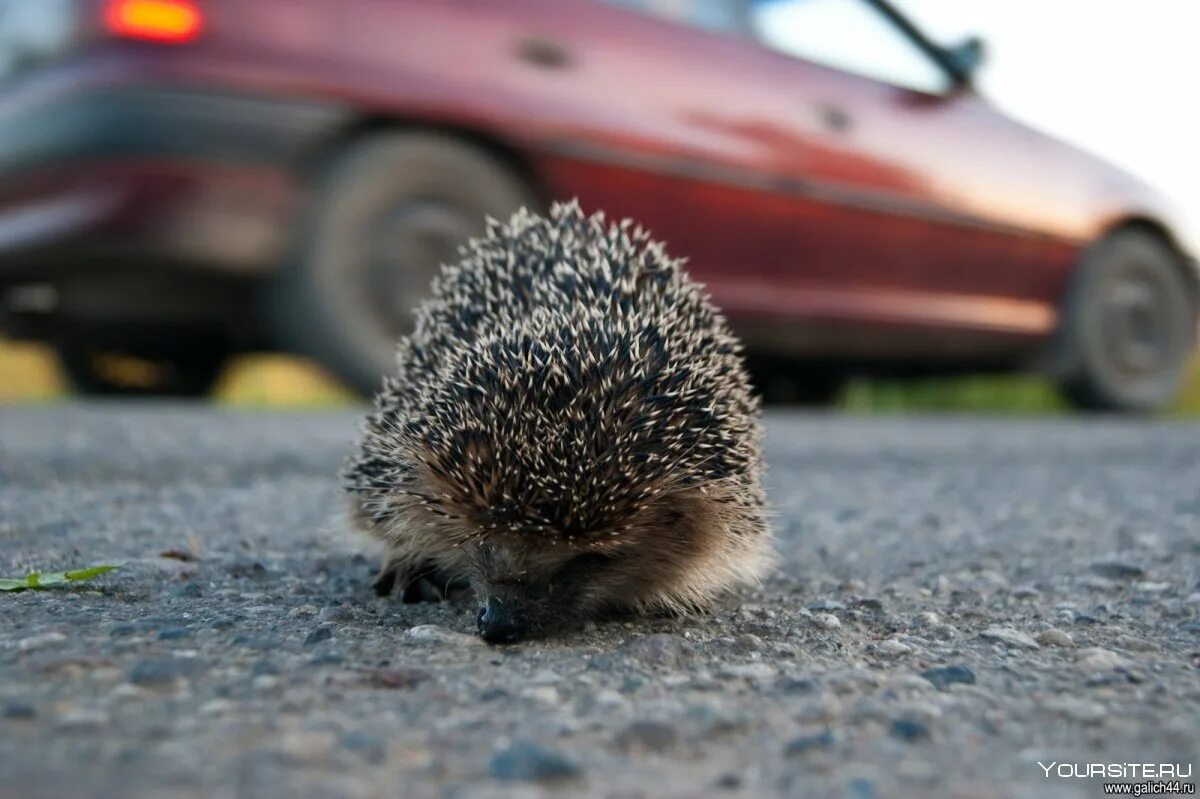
[(181, 179)]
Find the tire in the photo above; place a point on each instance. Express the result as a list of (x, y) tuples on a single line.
[(389, 211), (107, 373), (1128, 325)]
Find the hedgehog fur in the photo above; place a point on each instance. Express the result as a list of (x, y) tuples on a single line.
[(571, 432)]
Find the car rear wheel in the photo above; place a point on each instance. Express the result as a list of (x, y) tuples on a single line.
[(1128, 325), (390, 210), (96, 371)]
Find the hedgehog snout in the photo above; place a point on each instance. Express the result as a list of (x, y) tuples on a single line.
[(501, 622)]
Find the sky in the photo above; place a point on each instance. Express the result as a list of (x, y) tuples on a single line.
[(1116, 77)]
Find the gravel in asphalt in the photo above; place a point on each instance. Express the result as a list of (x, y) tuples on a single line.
[(956, 600)]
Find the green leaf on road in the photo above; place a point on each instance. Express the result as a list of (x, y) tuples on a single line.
[(89, 573), (38, 580)]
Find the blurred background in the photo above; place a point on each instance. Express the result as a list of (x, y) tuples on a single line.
[(918, 205)]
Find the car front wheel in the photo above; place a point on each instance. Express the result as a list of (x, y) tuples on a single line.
[(1128, 325), (390, 210)]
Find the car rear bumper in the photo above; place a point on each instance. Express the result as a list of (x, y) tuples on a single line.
[(169, 177)]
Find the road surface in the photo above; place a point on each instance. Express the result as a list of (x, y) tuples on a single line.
[(956, 601)]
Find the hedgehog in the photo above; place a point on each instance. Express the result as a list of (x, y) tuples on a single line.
[(570, 433)]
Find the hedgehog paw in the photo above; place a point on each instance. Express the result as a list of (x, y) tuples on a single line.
[(385, 581), (426, 584)]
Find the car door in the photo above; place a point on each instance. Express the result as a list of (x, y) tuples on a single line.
[(631, 100), (817, 204), (911, 194), (744, 160)]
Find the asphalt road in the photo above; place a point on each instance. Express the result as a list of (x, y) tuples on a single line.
[(956, 601)]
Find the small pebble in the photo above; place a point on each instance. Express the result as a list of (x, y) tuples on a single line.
[(543, 694), (1055, 637), (318, 635), (18, 709), (707, 720), (824, 708), (188, 590), (1097, 658), (335, 613), (265, 682), (729, 781), (796, 685), (809, 743), (370, 748), (398, 678), (433, 634), (1080, 710), (1118, 570), (327, 659), (217, 707), (747, 643), (249, 570), (532, 763), (82, 720), (43, 641), (1135, 644), (749, 671), (893, 648), (826, 621), (1010, 636), (128, 693), (610, 701), (304, 747), (943, 676), (861, 788), (909, 730), (158, 672), (668, 651), (253, 642), (650, 736)]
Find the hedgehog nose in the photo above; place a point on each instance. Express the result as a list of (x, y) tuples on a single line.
[(498, 624)]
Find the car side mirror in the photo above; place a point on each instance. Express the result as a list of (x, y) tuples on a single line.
[(965, 58)]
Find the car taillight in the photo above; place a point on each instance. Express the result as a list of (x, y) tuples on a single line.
[(166, 21)]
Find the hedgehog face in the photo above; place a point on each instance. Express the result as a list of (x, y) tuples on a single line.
[(663, 558), (528, 591)]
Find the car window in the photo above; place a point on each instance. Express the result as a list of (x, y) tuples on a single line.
[(850, 35), (722, 16)]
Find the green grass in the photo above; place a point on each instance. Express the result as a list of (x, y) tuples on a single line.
[(987, 394), (1006, 394)]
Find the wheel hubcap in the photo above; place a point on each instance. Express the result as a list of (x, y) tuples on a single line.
[(1135, 332), (405, 249)]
